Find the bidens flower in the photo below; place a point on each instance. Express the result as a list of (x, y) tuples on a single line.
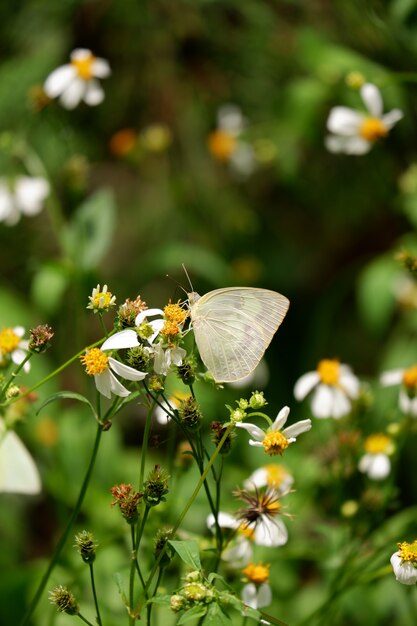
[(355, 132), (274, 440), (101, 300), (226, 144), (13, 347), (77, 80), (404, 563), (104, 367), (257, 593), (273, 476), (238, 541), (334, 387), (407, 378), (261, 516), (25, 195), (376, 462)]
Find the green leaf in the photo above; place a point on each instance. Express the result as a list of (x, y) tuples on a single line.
[(188, 552), (196, 611), (48, 287), (90, 233), (267, 617), (375, 292), (119, 582), (164, 600), (65, 395), (216, 616)]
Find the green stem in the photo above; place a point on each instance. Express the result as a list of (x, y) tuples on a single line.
[(145, 443), (93, 586), (68, 528), (84, 620), (14, 374), (150, 605)]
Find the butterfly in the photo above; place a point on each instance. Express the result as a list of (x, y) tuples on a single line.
[(233, 327), (18, 472)]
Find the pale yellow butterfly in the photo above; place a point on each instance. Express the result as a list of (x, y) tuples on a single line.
[(18, 472), (233, 327)]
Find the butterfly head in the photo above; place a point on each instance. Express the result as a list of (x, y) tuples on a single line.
[(193, 297)]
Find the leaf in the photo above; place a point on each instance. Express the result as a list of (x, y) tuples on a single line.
[(269, 618), (119, 582), (196, 611), (90, 233), (48, 287), (188, 552), (67, 395), (163, 600), (216, 616), (376, 292)]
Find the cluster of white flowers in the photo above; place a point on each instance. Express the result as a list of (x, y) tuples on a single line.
[(23, 195)]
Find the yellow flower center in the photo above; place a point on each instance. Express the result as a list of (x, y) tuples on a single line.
[(275, 474), (275, 442), (175, 313), (410, 378), (8, 340), (269, 504), (221, 144), (372, 128), (95, 361), (102, 299), (257, 574), (329, 371), (408, 551), (84, 66), (246, 531), (375, 444)]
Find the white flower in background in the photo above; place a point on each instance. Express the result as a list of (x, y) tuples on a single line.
[(13, 347), (18, 472), (273, 476), (77, 80), (261, 517), (174, 402), (407, 378), (25, 195), (226, 143), (104, 367), (404, 563), (376, 463), (334, 385), (274, 440), (257, 593), (238, 551), (354, 132)]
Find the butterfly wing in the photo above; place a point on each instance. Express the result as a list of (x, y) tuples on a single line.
[(18, 472), (234, 326)]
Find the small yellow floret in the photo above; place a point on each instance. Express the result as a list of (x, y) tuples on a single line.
[(95, 361), (8, 340), (275, 474), (377, 443), (410, 378), (269, 505), (257, 574), (355, 80), (221, 144), (329, 371), (246, 531), (275, 443), (174, 313), (84, 66), (408, 551), (102, 299), (372, 128)]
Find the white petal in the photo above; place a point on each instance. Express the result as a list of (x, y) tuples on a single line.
[(18, 472), (256, 444), (407, 405), (177, 355), (230, 119), (129, 373), (147, 313), (124, 339), (271, 533), (18, 356), (392, 377), (259, 478), (30, 194), (405, 572), (281, 418), (59, 80), (103, 383), (377, 466), (372, 99), (240, 553), (19, 331), (94, 93), (391, 118), (344, 121), (243, 160), (349, 382), (264, 595), (250, 595), (6, 202), (100, 68), (341, 404), (305, 384), (224, 520), (322, 401), (254, 431), (347, 145), (117, 388), (80, 54), (73, 94), (296, 429)]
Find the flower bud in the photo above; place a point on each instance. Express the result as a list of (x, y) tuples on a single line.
[(40, 338), (64, 600), (84, 542), (187, 370), (127, 500), (155, 486), (189, 413)]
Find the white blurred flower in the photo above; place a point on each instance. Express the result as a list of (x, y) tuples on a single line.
[(376, 462), (261, 516), (404, 563), (407, 378), (257, 593), (226, 142), (104, 367), (18, 472), (354, 132), (77, 80), (334, 385), (273, 476), (25, 195), (174, 402), (238, 551), (274, 440), (13, 347)]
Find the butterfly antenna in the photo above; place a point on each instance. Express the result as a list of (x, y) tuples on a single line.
[(177, 283), (188, 277)]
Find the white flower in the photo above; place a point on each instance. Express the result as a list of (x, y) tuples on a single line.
[(274, 440), (354, 132), (404, 563), (174, 402), (104, 367), (101, 300), (18, 472), (407, 378), (149, 329), (261, 516), (226, 143), (238, 550), (165, 359), (274, 476), (376, 463), (13, 347), (334, 385), (23, 196), (257, 596), (77, 80)]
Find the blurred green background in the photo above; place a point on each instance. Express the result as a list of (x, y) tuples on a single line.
[(130, 207)]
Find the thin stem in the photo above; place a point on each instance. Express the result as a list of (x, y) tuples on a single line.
[(84, 619), (145, 443), (14, 374), (93, 586), (67, 530), (150, 605)]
